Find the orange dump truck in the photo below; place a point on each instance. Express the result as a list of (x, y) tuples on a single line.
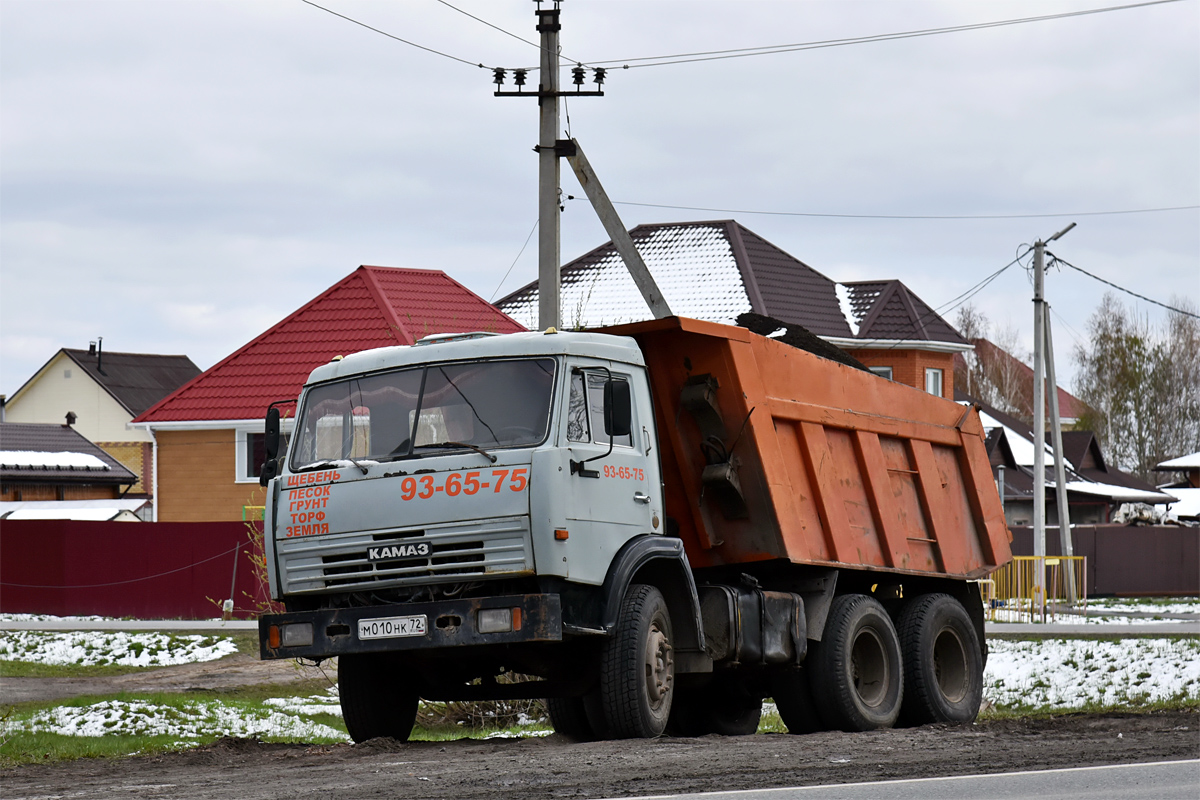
[(658, 525)]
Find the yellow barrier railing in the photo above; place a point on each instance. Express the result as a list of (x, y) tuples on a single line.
[(253, 513), (1011, 593)]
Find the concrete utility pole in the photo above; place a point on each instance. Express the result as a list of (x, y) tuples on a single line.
[(1039, 425), (550, 148), (549, 231)]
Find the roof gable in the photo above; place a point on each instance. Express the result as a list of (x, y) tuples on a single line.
[(135, 380), (371, 307), (890, 310)]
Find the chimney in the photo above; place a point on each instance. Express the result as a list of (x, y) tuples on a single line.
[(91, 348), (100, 354), (71, 418)]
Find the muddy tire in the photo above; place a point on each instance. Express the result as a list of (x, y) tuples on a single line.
[(725, 707), (637, 667), (943, 664), (793, 697), (374, 699), (857, 672), (569, 717)]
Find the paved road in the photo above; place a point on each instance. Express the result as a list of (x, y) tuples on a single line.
[(1165, 780)]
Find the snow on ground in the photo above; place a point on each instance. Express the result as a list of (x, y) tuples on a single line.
[(1072, 673), (188, 720), (92, 648)]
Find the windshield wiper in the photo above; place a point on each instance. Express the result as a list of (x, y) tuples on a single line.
[(479, 450), (336, 463)]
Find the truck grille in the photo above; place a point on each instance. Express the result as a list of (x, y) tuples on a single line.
[(340, 561)]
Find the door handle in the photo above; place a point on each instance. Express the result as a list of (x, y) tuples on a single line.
[(640, 497)]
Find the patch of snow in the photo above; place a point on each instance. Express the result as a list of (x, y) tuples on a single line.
[(189, 719), (327, 703), (1188, 506), (1071, 673), (91, 648), (1115, 492), (693, 266), (843, 296), (32, 459), (1190, 461)]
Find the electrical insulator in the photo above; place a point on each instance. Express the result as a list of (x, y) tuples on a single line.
[(577, 74), (519, 76), (599, 73), (498, 75)]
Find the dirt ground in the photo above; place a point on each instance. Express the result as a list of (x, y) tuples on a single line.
[(552, 767)]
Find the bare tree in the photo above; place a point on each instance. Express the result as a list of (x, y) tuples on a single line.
[(996, 372), (1142, 383)]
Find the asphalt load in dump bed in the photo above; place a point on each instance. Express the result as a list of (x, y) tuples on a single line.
[(552, 767)]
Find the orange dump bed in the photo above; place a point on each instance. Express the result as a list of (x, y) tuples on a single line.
[(771, 452)]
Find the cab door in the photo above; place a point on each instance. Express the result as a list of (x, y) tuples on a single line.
[(614, 488)]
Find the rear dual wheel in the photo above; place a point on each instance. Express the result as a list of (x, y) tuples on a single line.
[(857, 675), (943, 661), (725, 706)]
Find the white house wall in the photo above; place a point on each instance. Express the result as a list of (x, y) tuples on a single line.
[(49, 397)]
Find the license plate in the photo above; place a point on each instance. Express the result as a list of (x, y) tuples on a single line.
[(391, 627)]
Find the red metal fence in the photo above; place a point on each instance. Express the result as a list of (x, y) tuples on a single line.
[(1129, 560), (159, 570)]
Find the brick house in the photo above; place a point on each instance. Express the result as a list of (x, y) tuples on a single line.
[(208, 434), (719, 270)]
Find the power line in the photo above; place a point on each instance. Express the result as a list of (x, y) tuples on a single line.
[(745, 52), (1057, 260), (907, 216), (515, 260), (131, 580), (498, 28), (397, 38)]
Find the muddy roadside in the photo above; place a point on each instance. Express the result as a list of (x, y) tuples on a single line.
[(231, 672), (540, 769)]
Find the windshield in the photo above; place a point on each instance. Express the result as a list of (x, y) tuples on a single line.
[(413, 412)]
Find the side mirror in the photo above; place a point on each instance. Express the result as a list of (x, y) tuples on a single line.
[(618, 408), (270, 467)]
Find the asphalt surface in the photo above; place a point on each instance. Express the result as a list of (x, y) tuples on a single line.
[(1165, 780)]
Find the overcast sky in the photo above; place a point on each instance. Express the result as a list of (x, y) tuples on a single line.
[(178, 176)]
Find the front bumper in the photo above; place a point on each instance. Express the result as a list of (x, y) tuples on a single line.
[(449, 623)]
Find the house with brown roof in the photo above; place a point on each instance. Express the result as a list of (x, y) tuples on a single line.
[(208, 435), (53, 472), (1095, 490), (103, 392), (994, 376), (719, 270)]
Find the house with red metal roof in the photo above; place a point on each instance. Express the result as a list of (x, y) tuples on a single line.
[(208, 434), (720, 270)]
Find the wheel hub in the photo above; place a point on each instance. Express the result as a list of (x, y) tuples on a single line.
[(660, 665)]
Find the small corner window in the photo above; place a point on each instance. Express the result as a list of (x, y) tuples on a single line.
[(933, 381), (883, 372), (585, 410)]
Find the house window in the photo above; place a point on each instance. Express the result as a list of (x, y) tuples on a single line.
[(252, 452), (883, 372), (933, 381)]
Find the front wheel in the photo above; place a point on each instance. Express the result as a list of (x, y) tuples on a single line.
[(943, 662), (377, 697), (857, 673), (637, 667)]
